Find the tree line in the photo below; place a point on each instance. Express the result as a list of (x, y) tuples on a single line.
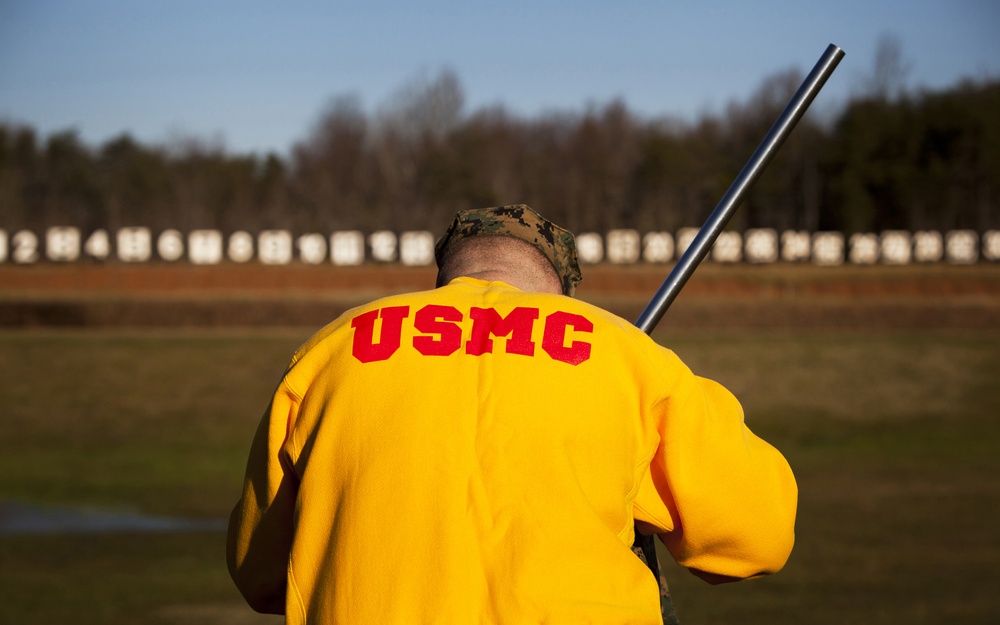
[(887, 160)]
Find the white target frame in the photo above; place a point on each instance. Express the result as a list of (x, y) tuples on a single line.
[(590, 248)]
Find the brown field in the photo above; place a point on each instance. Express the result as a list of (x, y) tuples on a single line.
[(717, 297)]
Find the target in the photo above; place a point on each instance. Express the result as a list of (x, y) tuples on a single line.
[(170, 245), (62, 244), (274, 247), (240, 247), (623, 246), (98, 245), (795, 246), (24, 247), (416, 248), (896, 247), (685, 237), (383, 246), (312, 248), (728, 247), (135, 244), (590, 248), (760, 245), (928, 247), (961, 247), (864, 248), (205, 247), (347, 247), (658, 247), (828, 249), (991, 245)]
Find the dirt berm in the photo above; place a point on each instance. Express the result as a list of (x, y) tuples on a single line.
[(717, 297)]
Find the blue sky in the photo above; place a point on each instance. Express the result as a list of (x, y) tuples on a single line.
[(255, 76)]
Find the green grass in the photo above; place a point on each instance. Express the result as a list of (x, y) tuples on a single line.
[(895, 441), (160, 422)]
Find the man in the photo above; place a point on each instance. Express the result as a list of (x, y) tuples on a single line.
[(479, 453)]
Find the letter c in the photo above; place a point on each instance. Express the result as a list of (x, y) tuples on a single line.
[(554, 338)]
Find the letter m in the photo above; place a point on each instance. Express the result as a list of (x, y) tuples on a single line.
[(487, 323)]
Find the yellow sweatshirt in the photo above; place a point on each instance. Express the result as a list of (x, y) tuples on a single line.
[(477, 454)]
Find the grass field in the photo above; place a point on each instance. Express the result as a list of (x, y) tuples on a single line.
[(894, 437)]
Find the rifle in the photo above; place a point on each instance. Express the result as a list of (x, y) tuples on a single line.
[(644, 546)]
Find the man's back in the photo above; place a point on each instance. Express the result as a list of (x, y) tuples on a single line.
[(478, 454)]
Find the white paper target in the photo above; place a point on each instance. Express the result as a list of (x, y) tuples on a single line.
[(170, 245), (928, 246), (312, 248), (98, 245), (62, 244), (961, 247), (383, 246), (134, 244), (205, 247), (864, 248), (274, 247), (589, 248), (416, 248), (760, 245), (828, 249), (896, 247), (347, 247), (795, 246), (24, 247), (623, 246), (728, 247), (239, 249), (685, 237), (658, 247), (991, 245)]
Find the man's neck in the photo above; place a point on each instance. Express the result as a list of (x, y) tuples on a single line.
[(524, 283)]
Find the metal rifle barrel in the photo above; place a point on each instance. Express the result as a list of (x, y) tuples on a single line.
[(717, 221), (706, 237)]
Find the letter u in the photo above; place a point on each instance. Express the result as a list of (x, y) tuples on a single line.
[(365, 348)]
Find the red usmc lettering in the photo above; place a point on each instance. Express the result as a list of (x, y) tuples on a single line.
[(554, 338), (365, 348), (487, 322), (440, 332), (442, 321)]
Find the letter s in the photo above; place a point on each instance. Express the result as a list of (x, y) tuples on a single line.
[(440, 320)]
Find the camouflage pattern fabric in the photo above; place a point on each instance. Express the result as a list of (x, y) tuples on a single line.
[(521, 222), (642, 546)]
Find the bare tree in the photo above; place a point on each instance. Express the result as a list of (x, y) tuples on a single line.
[(333, 176), (425, 106), (890, 69)]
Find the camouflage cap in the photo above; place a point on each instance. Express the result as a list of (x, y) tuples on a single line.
[(521, 222)]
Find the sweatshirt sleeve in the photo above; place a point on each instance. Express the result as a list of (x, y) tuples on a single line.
[(261, 525), (730, 495)]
